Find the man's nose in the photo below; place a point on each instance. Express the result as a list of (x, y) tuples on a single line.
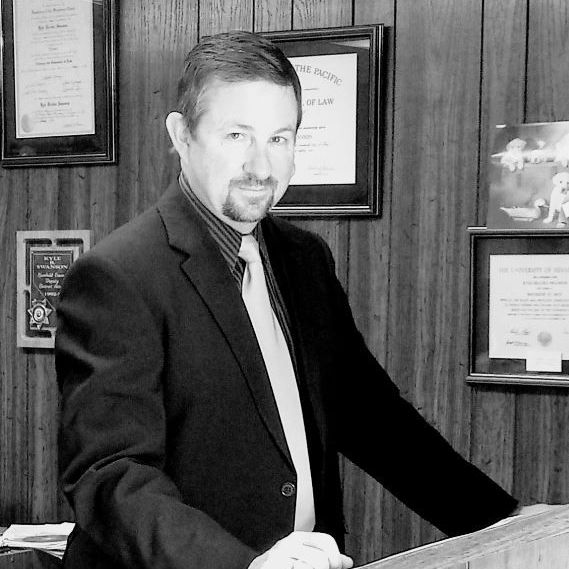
[(257, 162)]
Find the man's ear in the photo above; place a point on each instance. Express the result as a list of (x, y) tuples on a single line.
[(179, 132)]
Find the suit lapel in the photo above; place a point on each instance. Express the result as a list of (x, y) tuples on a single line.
[(207, 270)]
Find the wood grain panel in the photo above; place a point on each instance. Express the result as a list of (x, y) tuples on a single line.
[(368, 291), (502, 101), (74, 211), (103, 199), (542, 454), (534, 446), (28, 559), (13, 392), (151, 59), (224, 15), (434, 194), (40, 383), (548, 64), (321, 13), (28, 486), (503, 79), (435, 167), (493, 433), (377, 12), (42, 409), (272, 15)]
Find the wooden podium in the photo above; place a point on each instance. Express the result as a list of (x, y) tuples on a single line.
[(538, 541), (27, 559)]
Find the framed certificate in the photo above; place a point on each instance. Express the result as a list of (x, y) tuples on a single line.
[(519, 306), (58, 82), (337, 149)]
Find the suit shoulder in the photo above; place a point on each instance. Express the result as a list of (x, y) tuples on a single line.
[(132, 242), (294, 235)]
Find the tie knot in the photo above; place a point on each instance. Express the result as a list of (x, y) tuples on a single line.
[(249, 250)]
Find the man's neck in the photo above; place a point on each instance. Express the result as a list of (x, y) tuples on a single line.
[(243, 227)]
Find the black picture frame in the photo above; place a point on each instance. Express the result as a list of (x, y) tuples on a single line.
[(99, 147), (484, 243), (362, 197)]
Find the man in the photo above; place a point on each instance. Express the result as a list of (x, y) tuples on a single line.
[(210, 367)]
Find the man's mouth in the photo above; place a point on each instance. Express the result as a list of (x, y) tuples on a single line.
[(254, 188)]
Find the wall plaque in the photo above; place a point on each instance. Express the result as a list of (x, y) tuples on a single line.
[(43, 259)]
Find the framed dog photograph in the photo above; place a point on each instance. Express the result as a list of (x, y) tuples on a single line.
[(529, 177)]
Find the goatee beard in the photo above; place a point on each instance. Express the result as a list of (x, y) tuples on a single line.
[(250, 209)]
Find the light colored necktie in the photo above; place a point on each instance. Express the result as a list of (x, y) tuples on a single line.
[(281, 374)]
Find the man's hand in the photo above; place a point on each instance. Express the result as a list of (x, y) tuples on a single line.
[(303, 550)]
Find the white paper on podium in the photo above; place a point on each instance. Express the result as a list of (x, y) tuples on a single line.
[(51, 538)]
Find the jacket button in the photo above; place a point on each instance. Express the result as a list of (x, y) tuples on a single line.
[(288, 489)]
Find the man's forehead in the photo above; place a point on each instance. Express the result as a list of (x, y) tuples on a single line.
[(253, 99)]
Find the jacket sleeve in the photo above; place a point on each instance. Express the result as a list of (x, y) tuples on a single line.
[(109, 359), (387, 437)]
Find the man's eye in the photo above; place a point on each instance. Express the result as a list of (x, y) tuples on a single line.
[(235, 135), (278, 139)]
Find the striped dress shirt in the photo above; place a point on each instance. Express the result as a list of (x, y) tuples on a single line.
[(229, 242)]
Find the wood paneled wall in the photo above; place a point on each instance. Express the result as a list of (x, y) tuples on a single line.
[(454, 68)]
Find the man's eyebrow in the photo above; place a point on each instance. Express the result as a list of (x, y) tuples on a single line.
[(247, 127), (240, 126), (286, 129)]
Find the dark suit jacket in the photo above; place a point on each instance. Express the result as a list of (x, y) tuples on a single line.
[(171, 448)]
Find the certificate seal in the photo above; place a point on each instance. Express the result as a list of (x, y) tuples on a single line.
[(544, 338)]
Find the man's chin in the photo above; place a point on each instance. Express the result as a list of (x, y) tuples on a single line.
[(250, 211)]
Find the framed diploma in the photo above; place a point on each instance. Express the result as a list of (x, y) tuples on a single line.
[(58, 82), (519, 306), (337, 148), (42, 261)]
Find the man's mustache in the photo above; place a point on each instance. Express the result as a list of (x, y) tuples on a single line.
[(254, 183)]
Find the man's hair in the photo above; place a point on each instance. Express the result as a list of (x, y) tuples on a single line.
[(232, 57)]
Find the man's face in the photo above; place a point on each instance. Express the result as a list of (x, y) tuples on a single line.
[(240, 158)]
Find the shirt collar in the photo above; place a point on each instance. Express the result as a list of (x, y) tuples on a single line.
[(227, 238)]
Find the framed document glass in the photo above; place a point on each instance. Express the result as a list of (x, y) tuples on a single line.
[(58, 82), (337, 149), (519, 307)]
